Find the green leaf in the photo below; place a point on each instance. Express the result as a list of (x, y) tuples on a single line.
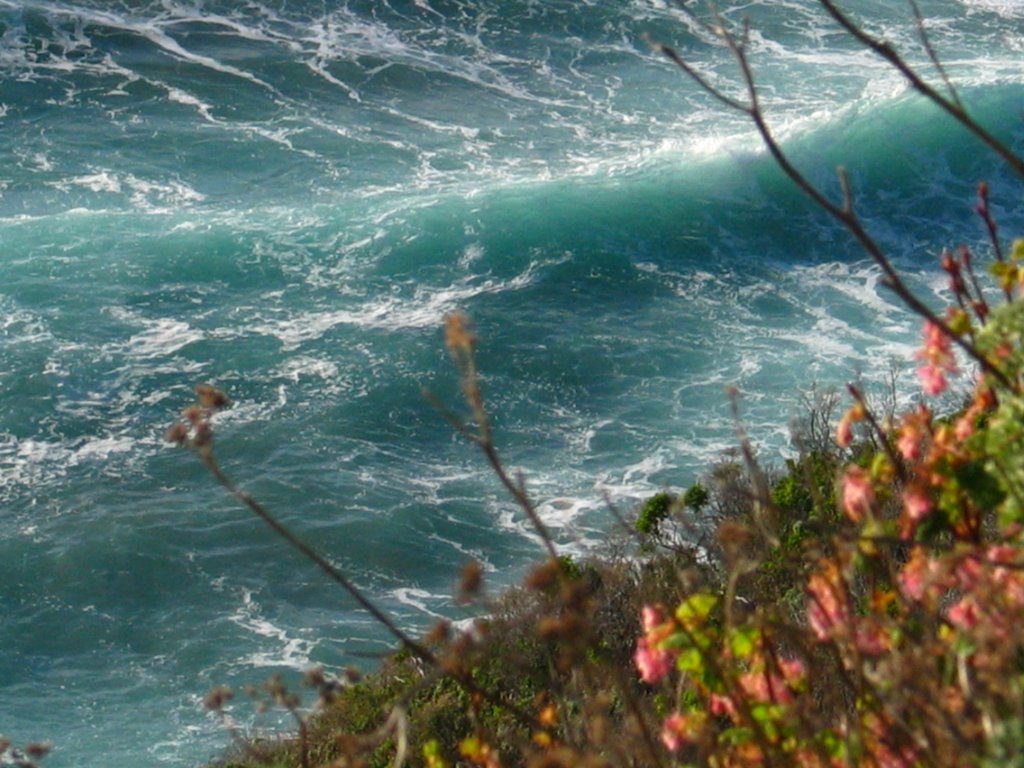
[(736, 735), (982, 487), (744, 641), (1017, 252), (691, 660), (695, 609)]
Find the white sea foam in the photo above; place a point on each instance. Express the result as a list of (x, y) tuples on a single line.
[(426, 308), (1010, 9), (95, 182), (162, 338), (102, 448), (287, 651), (419, 599)]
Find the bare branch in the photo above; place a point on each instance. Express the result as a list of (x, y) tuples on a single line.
[(313, 556), (698, 78), (950, 106), (926, 43), (461, 343), (844, 212)]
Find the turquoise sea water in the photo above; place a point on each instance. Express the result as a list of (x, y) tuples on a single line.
[(286, 198)]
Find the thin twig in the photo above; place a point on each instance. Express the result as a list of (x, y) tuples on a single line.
[(461, 343), (879, 433), (843, 213), (926, 43), (416, 648), (951, 107)]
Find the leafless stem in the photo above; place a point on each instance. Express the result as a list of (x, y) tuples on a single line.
[(844, 212), (461, 343), (877, 430), (985, 212), (313, 556), (926, 43), (951, 106), (200, 441)]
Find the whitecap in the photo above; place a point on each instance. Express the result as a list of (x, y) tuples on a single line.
[(162, 338), (291, 652)]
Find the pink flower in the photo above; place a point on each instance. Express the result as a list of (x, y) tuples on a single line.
[(827, 612), (653, 664), (938, 348), (913, 430), (678, 730), (965, 614), (793, 671), (965, 426), (909, 444), (831, 618), (916, 503), (671, 735), (970, 573), (858, 493), (765, 687), (844, 432), (722, 705), (922, 573), (871, 638), (933, 380), (937, 355), (650, 617), (1002, 554)]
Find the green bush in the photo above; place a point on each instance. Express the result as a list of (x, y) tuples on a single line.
[(654, 512)]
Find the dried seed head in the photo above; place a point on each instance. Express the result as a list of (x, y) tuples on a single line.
[(471, 581), (204, 434), (217, 698), (457, 337), (559, 627), (543, 576), (439, 633), (38, 749), (274, 685), (211, 397), (177, 434), (314, 677)]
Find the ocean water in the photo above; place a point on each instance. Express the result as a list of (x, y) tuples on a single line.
[(286, 198)]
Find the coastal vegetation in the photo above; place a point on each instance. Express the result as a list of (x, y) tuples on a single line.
[(854, 608), (857, 606)]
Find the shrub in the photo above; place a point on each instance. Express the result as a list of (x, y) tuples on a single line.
[(654, 512)]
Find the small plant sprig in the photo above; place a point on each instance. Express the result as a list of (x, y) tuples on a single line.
[(460, 341), (195, 432)]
